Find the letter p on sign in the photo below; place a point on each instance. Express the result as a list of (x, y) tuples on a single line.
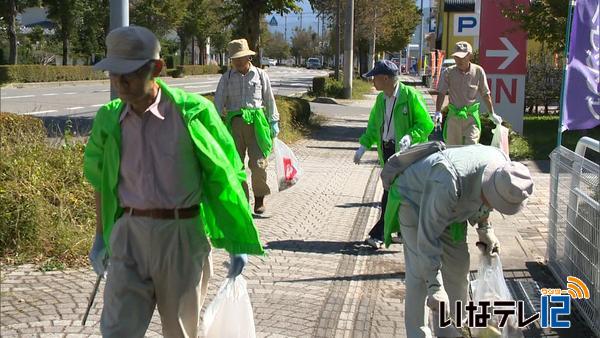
[(465, 24)]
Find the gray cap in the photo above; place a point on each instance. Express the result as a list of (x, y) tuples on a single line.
[(507, 186), (128, 49)]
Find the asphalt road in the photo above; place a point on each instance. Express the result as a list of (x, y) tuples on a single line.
[(82, 99)]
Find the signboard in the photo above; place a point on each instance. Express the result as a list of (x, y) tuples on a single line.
[(273, 22), (502, 54), (465, 24)]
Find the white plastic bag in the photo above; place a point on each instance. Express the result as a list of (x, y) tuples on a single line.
[(287, 166), (489, 286), (230, 314), (500, 138)]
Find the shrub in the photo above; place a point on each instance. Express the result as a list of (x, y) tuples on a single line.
[(41, 73), (318, 86), (199, 69), (46, 207)]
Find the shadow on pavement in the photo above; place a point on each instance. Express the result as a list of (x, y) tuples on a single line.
[(365, 277), (358, 205), (326, 247), (332, 148), (338, 133)]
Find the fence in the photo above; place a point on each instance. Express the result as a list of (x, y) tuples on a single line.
[(574, 224)]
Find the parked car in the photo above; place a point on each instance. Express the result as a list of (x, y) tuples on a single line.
[(272, 62), (447, 63), (264, 61), (396, 61), (313, 63)]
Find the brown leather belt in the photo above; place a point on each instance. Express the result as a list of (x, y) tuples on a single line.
[(190, 212)]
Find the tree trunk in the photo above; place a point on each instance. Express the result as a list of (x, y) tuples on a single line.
[(193, 51), (181, 48), (12, 32), (251, 22), (65, 47)]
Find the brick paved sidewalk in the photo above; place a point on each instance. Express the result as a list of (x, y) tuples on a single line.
[(317, 279)]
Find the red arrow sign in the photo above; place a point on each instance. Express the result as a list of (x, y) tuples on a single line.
[(503, 45)]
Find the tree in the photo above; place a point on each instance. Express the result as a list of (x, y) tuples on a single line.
[(247, 15), (277, 47), (67, 14), (92, 31), (544, 21), (9, 10), (159, 16), (304, 43)]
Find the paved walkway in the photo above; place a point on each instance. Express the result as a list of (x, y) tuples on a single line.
[(317, 279)]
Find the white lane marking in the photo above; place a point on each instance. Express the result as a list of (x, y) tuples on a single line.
[(69, 93), (39, 112), (74, 108), (198, 86), (17, 97), (191, 83), (97, 105), (50, 94)]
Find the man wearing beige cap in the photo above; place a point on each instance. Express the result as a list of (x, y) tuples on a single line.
[(438, 194), (245, 100), (167, 179), (463, 82)]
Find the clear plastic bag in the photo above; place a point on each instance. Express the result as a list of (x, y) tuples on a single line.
[(230, 314), (287, 166), (489, 286), (500, 138)]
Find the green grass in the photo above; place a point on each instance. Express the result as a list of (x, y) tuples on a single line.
[(335, 89), (539, 137)]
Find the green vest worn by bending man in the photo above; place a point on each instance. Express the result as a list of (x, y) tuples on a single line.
[(410, 117), (224, 209)]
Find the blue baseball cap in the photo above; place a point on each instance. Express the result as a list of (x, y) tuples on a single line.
[(383, 67)]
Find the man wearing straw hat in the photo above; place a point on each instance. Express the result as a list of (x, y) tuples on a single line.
[(167, 179), (245, 100)]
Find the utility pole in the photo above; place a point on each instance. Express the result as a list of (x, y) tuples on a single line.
[(338, 42), (420, 61), (285, 29), (348, 50), (119, 17)]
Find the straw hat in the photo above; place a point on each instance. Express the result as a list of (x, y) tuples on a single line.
[(239, 48)]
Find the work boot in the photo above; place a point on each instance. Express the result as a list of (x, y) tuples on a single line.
[(259, 205)]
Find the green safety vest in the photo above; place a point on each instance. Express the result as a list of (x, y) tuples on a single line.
[(224, 210)]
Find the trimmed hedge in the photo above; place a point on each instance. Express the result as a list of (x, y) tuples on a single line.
[(198, 69), (41, 73)]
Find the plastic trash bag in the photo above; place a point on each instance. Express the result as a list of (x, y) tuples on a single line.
[(230, 314), (490, 286), (500, 138), (287, 166)]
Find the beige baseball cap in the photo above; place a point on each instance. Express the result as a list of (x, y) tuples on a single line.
[(462, 49), (239, 48), (128, 49)]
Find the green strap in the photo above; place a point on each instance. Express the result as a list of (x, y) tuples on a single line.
[(463, 113), (257, 117), (391, 221)]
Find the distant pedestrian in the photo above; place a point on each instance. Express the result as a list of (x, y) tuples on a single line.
[(167, 179), (463, 82), (398, 119), (245, 100)]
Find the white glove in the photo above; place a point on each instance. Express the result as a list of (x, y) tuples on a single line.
[(434, 299), (98, 255), (359, 154), (405, 142), (491, 245), (496, 119)]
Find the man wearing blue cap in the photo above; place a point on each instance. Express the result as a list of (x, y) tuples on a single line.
[(398, 119)]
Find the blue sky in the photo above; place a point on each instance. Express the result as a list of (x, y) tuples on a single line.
[(307, 19)]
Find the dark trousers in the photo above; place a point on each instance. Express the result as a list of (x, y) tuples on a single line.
[(376, 232)]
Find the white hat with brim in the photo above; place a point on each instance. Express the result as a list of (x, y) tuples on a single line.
[(462, 49), (128, 49), (239, 48), (507, 186)]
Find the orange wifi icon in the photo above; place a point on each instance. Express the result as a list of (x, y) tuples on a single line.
[(577, 288)]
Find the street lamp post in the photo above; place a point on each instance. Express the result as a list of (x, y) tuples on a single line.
[(119, 17), (348, 50)]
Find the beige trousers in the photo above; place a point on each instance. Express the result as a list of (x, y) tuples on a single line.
[(245, 140), (155, 263), (461, 131)]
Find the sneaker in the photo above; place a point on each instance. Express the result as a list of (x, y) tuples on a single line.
[(397, 239), (374, 242)]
